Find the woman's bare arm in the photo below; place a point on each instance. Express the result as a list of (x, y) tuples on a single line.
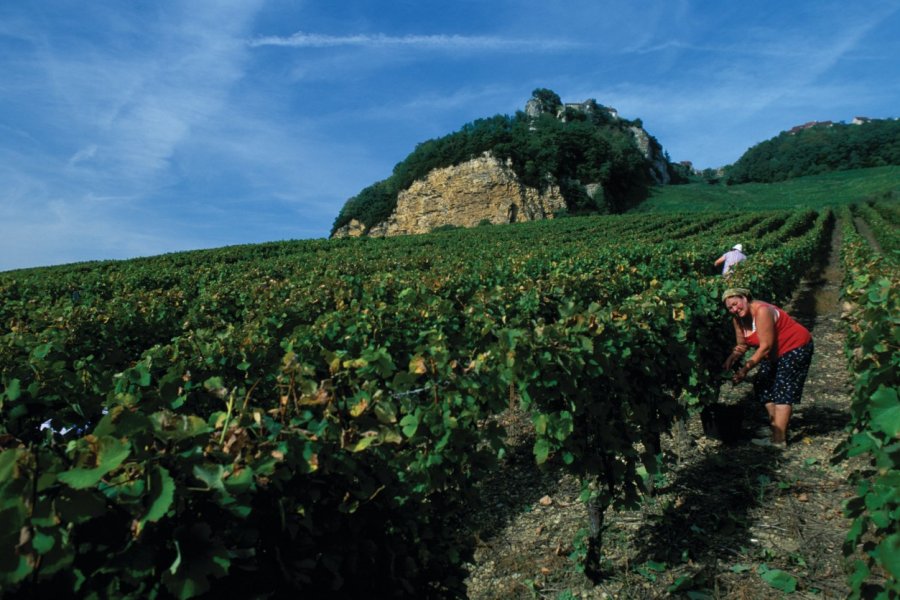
[(740, 345)]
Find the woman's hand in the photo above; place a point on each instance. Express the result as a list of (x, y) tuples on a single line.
[(733, 358), (741, 374)]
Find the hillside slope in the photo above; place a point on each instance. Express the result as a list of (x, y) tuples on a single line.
[(814, 191), (816, 148)]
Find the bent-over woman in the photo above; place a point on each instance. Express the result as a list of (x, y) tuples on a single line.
[(784, 350)]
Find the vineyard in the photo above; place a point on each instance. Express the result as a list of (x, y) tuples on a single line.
[(316, 416)]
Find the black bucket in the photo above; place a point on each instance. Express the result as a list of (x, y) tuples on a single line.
[(723, 422)]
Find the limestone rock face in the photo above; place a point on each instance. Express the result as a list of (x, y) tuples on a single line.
[(469, 194), (352, 229), (658, 167)]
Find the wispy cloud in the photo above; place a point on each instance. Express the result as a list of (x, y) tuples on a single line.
[(427, 42), (86, 153)]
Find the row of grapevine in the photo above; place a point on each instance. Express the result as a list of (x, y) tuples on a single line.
[(884, 231), (316, 420), (116, 321), (873, 330)]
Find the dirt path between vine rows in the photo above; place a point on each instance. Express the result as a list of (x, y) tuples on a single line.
[(724, 519)]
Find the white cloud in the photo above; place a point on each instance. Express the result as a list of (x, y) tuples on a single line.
[(86, 153), (427, 42)]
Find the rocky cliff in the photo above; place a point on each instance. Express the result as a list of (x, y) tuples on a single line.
[(587, 159), (482, 190), (659, 165)]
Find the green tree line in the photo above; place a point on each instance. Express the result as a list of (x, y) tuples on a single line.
[(819, 149)]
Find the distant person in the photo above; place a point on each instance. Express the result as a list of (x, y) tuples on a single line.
[(731, 258), (784, 350)]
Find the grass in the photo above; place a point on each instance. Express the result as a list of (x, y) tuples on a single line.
[(831, 189)]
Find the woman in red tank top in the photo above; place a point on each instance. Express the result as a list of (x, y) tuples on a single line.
[(783, 353)]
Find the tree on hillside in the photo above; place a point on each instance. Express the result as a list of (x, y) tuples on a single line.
[(548, 100), (819, 149)]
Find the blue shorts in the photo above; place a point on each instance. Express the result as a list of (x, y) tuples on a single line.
[(780, 381)]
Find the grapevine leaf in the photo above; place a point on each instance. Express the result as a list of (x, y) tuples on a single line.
[(240, 481), (860, 573), (364, 443), (780, 580), (888, 554), (139, 375), (42, 543), (409, 423), (541, 451), (13, 390), (359, 407), (211, 476), (110, 454), (682, 583), (18, 570), (161, 488), (885, 410)]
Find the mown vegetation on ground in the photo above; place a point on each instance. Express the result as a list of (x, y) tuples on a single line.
[(835, 189)]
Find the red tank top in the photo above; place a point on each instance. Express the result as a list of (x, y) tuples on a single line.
[(789, 334)]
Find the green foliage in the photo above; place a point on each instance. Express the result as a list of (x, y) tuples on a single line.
[(819, 149), (871, 295), (876, 215), (778, 579), (548, 101), (313, 416), (445, 228), (586, 147), (810, 192), (682, 173)]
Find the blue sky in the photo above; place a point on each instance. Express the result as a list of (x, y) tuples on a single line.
[(144, 127)]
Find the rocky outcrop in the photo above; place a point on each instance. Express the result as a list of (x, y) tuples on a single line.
[(487, 190), (482, 190), (659, 166), (352, 229)]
